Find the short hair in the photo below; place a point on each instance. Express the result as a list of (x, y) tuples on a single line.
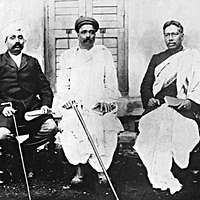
[(175, 23)]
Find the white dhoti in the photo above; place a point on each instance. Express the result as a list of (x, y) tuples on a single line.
[(165, 135), (76, 145)]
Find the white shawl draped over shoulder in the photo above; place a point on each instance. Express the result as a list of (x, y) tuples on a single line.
[(184, 67)]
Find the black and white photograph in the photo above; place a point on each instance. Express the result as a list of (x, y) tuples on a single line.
[(99, 100)]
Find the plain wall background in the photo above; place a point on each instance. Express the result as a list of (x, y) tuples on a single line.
[(145, 21), (32, 14)]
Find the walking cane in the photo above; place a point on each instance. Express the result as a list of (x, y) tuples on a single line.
[(20, 151), (74, 106)]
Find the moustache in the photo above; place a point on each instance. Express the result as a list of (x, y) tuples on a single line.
[(17, 44), (88, 40)]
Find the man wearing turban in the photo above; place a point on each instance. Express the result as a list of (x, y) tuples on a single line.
[(23, 83), (88, 76)]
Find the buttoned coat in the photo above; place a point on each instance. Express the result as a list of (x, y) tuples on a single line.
[(25, 86)]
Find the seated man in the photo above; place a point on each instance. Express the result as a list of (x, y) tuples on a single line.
[(169, 132), (88, 76), (23, 83)]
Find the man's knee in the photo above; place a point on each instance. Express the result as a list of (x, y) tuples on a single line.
[(49, 126), (5, 133)]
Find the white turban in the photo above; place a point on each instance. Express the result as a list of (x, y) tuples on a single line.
[(13, 28)]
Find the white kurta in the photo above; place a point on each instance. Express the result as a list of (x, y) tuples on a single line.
[(88, 77), (164, 133)]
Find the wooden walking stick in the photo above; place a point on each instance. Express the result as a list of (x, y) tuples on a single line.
[(74, 106), (20, 151)]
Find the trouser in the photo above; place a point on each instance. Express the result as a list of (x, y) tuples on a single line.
[(40, 130), (45, 134)]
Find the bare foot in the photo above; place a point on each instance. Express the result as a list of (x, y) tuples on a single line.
[(102, 178), (77, 180)]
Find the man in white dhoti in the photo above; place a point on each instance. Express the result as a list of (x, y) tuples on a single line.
[(169, 133), (88, 76)]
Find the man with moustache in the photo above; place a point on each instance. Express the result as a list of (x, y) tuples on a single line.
[(88, 76), (23, 83), (169, 126)]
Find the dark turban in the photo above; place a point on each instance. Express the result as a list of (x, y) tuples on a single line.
[(86, 20)]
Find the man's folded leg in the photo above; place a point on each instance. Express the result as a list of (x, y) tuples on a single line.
[(45, 134)]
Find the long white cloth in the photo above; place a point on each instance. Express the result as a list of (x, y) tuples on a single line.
[(88, 77), (164, 133)]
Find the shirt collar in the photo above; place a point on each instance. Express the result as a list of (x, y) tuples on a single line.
[(16, 58)]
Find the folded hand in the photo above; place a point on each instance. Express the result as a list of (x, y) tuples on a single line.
[(104, 107), (186, 104), (67, 105), (8, 111), (45, 109), (153, 102)]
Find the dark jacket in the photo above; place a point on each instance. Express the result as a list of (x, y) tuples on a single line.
[(149, 78), (26, 87)]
